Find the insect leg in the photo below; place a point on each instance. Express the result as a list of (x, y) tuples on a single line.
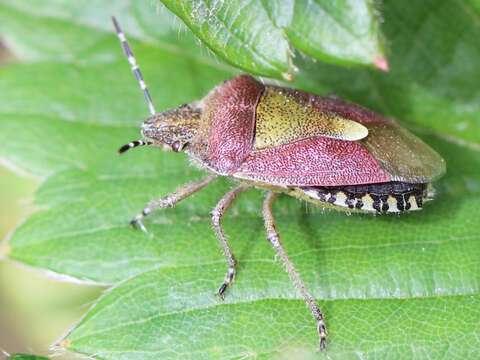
[(217, 214), (171, 200), (274, 239)]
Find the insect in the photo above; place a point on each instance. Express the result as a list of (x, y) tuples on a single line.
[(320, 149)]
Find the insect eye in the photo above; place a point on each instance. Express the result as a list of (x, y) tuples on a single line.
[(176, 146)]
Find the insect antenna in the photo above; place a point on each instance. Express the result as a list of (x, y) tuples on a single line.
[(138, 75), (133, 144), (135, 68)]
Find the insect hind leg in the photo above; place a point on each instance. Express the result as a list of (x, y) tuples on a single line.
[(274, 239)]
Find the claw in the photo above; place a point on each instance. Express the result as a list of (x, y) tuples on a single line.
[(322, 332), (323, 343), (229, 276), (137, 223), (221, 291)]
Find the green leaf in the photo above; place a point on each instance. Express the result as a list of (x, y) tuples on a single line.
[(26, 357), (391, 287), (259, 36)]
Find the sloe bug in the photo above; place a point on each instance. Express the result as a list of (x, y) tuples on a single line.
[(319, 149)]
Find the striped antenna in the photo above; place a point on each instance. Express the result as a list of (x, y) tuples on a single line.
[(133, 144), (135, 69)]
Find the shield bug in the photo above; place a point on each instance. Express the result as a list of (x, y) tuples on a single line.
[(322, 150)]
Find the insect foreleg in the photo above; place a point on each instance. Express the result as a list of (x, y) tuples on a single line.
[(170, 200), (217, 214), (274, 239)]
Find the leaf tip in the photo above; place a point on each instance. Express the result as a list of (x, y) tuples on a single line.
[(381, 63), (4, 249)]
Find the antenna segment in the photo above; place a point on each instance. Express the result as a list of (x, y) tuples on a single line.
[(133, 63)]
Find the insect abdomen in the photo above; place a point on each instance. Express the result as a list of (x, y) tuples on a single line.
[(390, 197)]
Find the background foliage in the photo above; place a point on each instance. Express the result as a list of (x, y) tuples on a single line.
[(391, 286), (261, 36)]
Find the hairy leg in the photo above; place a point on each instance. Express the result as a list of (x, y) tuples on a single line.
[(171, 200), (274, 239), (217, 213)]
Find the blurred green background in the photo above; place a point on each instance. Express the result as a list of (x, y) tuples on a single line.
[(34, 309)]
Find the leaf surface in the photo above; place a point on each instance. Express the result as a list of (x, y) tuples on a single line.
[(340, 32), (26, 357), (390, 286)]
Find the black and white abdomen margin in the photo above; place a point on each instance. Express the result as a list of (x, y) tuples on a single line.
[(390, 197)]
